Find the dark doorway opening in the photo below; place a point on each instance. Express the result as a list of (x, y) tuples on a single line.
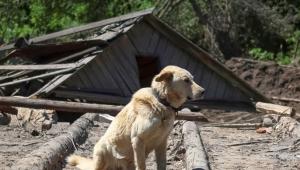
[(148, 67)]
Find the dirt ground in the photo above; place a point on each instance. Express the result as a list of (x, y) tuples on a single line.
[(175, 152), (269, 78), (242, 149), (15, 142)]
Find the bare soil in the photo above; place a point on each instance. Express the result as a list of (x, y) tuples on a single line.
[(242, 149), (15, 142), (269, 78), (175, 152)]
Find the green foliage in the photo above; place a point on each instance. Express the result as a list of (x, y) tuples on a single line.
[(260, 54), (126, 6), (36, 17)]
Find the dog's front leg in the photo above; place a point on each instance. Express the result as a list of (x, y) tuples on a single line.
[(160, 154), (139, 153)]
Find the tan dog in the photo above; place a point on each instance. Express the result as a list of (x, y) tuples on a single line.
[(143, 125)]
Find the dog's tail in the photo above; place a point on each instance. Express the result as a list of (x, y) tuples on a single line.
[(80, 162)]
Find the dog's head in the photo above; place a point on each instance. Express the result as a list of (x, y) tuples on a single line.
[(176, 85)]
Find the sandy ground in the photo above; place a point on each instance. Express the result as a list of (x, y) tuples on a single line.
[(240, 149), (175, 152), (15, 142)]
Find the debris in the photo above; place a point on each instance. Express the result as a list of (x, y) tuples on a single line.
[(35, 120), (52, 153), (287, 127), (270, 108), (264, 130)]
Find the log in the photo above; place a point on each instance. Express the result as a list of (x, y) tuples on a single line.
[(196, 157), (270, 108), (51, 155), (81, 107), (285, 99)]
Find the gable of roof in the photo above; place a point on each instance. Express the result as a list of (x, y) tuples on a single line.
[(204, 57)]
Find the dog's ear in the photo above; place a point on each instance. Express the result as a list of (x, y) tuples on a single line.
[(164, 76)]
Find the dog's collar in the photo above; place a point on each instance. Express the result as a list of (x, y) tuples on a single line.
[(166, 103)]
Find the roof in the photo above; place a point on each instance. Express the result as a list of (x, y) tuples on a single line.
[(99, 35)]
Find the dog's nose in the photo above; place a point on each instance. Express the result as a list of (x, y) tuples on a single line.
[(202, 93)]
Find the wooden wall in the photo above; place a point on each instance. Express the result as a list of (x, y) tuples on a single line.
[(149, 42), (115, 71)]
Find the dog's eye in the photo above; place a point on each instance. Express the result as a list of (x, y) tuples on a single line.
[(187, 80)]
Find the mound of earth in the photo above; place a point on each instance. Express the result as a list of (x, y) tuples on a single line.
[(269, 78)]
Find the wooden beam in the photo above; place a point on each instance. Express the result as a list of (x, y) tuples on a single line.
[(38, 67), (193, 50), (92, 97), (75, 55), (286, 99), (50, 74), (270, 108), (37, 77), (76, 107)]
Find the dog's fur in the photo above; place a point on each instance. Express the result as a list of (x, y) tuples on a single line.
[(143, 125)]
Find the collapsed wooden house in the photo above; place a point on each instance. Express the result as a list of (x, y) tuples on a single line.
[(113, 59)]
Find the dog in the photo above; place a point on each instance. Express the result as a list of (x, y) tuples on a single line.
[(143, 125)]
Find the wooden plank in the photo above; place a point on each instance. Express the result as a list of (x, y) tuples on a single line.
[(129, 51), (153, 41), (112, 71), (50, 83), (164, 57), (139, 36), (80, 73), (95, 73), (105, 76), (228, 93), (220, 89), (91, 97), (162, 47), (38, 66), (198, 73), (37, 77), (212, 87), (124, 78), (203, 56), (285, 99), (75, 55), (126, 65), (74, 81), (270, 108), (179, 58), (193, 69), (206, 75), (85, 27)]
